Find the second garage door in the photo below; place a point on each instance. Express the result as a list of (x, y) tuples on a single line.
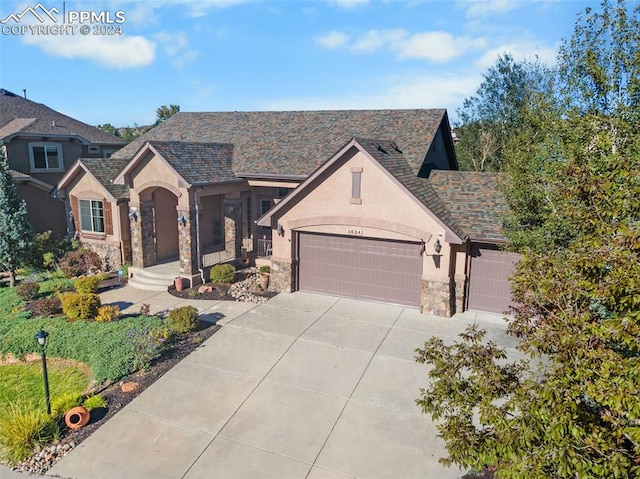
[(489, 285), (361, 268)]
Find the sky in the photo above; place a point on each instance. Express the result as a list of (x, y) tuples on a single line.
[(116, 61)]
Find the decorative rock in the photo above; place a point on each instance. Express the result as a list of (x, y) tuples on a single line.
[(244, 290), (205, 289), (129, 386)]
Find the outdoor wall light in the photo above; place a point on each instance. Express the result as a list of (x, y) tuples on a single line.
[(133, 215), (280, 230), (42, 336), (437, 247), (182, 219)]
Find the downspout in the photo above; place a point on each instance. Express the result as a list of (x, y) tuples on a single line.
[(198, 255)]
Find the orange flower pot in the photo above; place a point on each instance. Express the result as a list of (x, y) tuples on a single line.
[(77, 417)]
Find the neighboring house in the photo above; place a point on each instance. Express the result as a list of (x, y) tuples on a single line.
[(339, 200), (40, 145)]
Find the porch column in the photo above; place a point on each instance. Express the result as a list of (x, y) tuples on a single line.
[(187, 242), (233, 226), (143, 245)]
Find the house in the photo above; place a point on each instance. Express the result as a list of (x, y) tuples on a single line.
[(40, 145), (365, 204)]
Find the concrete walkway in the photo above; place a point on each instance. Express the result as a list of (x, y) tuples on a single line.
[(303, 386)]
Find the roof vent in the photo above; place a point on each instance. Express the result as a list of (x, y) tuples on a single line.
[(7, 92), (379, 147)]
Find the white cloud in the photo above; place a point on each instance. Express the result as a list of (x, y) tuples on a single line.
[(434, 46), (332, 40), (376, 39), (423, 91), (112, 51), (348, 3), (176, 47), (486, 8), (526, 50)]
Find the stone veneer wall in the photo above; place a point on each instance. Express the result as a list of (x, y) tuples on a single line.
[(232, 226), (458, 288), (143, 248), (281, 280), (435, 298), (186, 245), (110, 254)]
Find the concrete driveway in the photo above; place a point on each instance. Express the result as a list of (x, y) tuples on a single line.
[(303, 386)]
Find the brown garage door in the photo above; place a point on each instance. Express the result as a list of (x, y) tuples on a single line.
[(362, 268), (489, 286)]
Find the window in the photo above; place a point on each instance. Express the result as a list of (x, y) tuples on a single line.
[(107, 153), (265, 205), (356, 183), (94, 149), (45, 157), (91, 216)]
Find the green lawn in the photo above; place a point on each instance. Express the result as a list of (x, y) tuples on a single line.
[(24, 382)]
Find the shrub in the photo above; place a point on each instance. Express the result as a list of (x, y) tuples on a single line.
[(222, 273), (23, 427), (76, 263), (88, 284), (45, 306), (146, 345), (28, 290), (183, 319), (107, 313), (63, 402), (94, 402), (80, 306), (265, 269)]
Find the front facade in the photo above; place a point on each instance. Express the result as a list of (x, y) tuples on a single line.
[(339, 202), (40, 145)]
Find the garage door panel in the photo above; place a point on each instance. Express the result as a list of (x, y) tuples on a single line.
[(363, 268), (489, 285)]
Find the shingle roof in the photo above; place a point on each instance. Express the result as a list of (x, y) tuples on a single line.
[(295, 142), (198, 163), (474, 200), (391, 156), (19, 115), (105, 170)]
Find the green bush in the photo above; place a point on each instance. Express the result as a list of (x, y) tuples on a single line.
[(76, 263), (80, 306), (23, 428), (28, 290), (222, 273), (146, 345), (265, 269), (48, 249), (62, 403), (45, 306), (183, 319), (94, 402), (88, 284), (107, 313)]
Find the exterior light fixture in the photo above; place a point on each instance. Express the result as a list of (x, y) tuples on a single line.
[(133, 215), (437, 247), (182, 219), (42, 337), (280, 230)]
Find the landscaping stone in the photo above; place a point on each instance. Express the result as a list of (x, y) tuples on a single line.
[(129, 386)]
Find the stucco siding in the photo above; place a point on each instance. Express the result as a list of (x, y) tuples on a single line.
[(44, 213)]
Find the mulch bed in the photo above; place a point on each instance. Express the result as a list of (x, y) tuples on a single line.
[(219, 291)]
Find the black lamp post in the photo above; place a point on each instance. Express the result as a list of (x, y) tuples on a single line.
[(41, 336)]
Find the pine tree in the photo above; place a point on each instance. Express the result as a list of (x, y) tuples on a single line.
[(16, 235)]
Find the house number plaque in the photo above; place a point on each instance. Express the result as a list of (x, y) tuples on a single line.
[(353, 231)]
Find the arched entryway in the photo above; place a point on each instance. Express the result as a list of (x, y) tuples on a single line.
[(166, 225), (158, 226)]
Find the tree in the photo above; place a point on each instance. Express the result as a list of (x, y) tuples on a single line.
[(569, 407), (165, 112), (16, 235), (488, 119), (109, 128)]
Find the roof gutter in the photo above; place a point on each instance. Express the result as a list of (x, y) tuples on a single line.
[(270, 176)]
